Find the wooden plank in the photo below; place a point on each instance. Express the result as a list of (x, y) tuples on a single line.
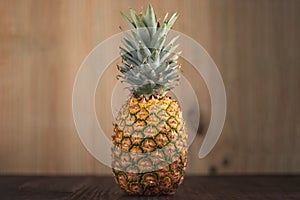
[(194, 187), (254, 43)]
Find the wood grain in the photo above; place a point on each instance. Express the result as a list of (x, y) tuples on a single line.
[(193, 187), (255, 44)]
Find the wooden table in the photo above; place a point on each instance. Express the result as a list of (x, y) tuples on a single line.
[(194, 187)]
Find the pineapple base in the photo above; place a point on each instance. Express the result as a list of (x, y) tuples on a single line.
[(164, 181)]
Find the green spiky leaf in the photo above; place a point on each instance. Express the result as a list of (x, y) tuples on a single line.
[(149, 66)]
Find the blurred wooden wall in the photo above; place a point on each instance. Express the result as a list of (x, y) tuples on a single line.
[(255, 43)]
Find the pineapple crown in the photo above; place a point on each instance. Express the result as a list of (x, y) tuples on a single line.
[(148, 65)]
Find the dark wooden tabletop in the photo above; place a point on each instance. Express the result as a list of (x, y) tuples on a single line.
[(194, 187)]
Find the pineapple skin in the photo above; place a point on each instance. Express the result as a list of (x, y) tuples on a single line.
[(149, 151)]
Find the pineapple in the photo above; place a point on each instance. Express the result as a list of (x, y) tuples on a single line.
[(149, 151)]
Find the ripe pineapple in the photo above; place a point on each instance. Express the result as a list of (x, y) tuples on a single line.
[(149, 139)]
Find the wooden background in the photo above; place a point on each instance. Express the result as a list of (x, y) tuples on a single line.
[(255, 43)]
